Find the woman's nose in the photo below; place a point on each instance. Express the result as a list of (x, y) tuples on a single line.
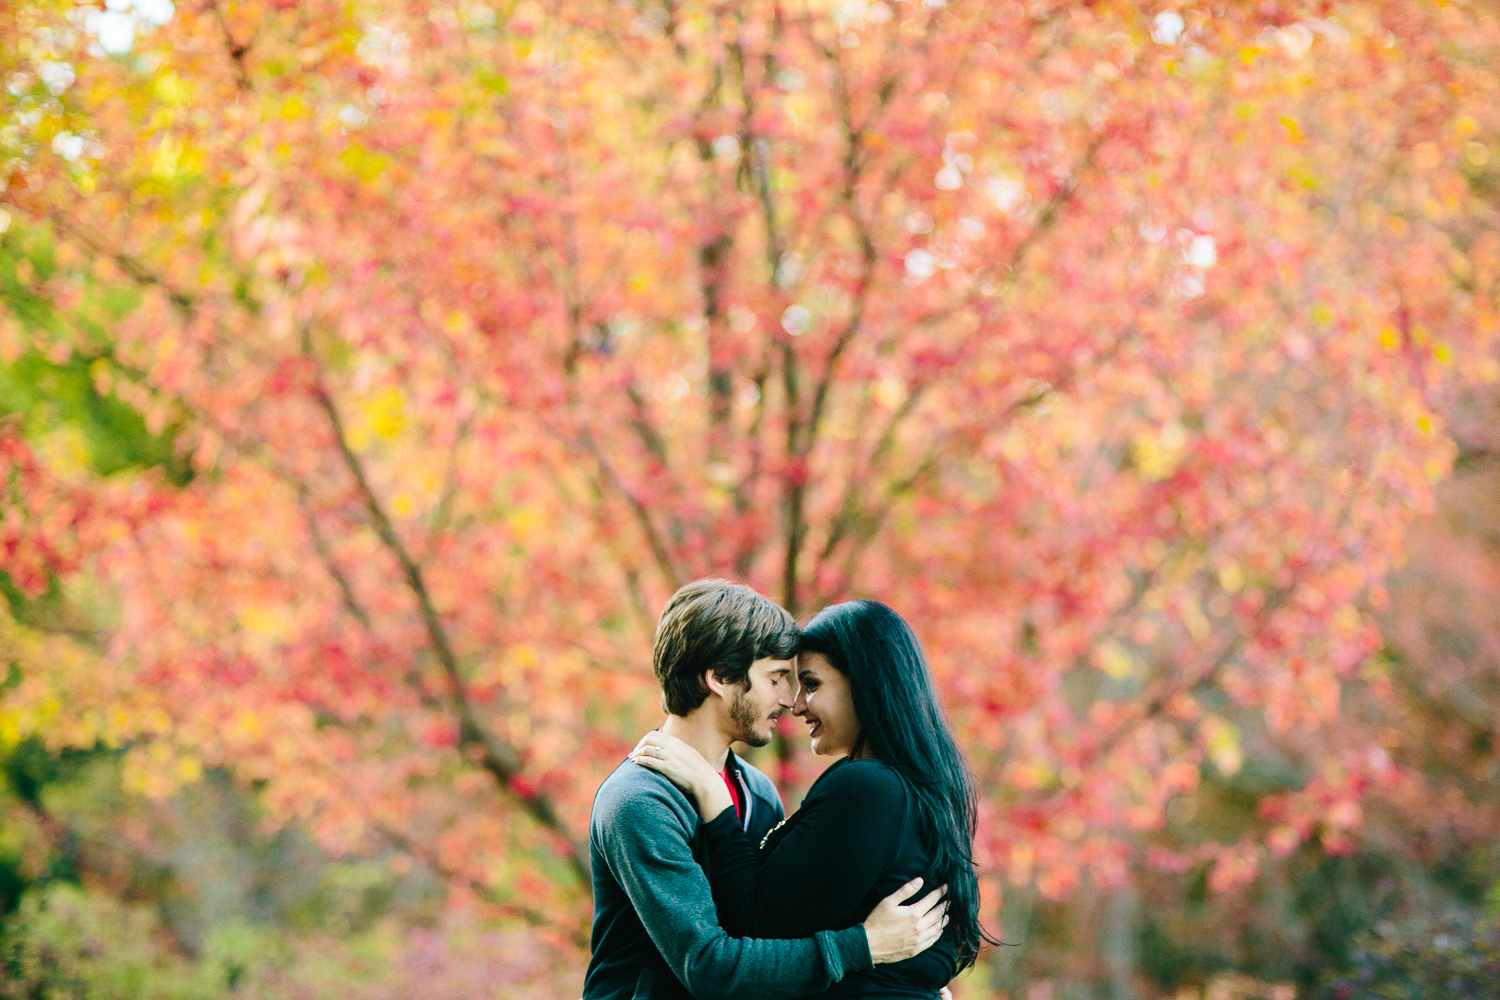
[(800, 705)]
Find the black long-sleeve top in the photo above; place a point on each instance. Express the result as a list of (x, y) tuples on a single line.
[(854, 841), (655, 932)]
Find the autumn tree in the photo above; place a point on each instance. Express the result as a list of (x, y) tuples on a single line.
[(1108, 344)]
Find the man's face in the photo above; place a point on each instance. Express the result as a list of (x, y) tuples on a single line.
[(753, 711)]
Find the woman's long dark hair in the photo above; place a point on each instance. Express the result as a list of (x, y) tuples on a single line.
[(902, 725)]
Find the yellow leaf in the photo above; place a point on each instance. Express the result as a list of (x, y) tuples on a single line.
[(245, 726), (1158, 454), (524, 522), (1304, 176), (1114, 661), (10, 730), (165, 161), (362, 163), (386, 413), (1013, 446), (1346, 620), (267, 621), (1194, 619), (189, 770), (170, 89), (1222, 740), (65, 450)]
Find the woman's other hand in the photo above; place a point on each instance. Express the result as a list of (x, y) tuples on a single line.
[(896, 932), (685, 768)]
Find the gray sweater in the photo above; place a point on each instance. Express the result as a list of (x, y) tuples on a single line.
[(656, 934)]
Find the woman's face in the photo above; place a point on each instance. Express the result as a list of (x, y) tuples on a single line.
[(825, 704)]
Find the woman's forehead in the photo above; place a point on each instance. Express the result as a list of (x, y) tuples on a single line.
[(810, 663)]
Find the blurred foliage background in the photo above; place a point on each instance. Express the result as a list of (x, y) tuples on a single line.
[(107, 894), (110, 890)]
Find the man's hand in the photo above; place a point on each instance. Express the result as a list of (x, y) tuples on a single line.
[(897, 932)]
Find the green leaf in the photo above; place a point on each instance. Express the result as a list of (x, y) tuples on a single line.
[(493, 82)]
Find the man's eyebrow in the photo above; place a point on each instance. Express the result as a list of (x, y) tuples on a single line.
[(780, 670)]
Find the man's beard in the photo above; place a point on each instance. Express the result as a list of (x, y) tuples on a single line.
[(744, 717)]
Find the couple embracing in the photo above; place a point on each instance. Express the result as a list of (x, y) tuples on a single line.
[(703, 888)]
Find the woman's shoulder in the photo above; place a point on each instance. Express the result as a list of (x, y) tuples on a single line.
[(866, 777)]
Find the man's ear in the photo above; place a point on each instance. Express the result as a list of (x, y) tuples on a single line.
[(712, 685)]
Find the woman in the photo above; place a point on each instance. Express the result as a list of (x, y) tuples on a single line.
[(899, 804)]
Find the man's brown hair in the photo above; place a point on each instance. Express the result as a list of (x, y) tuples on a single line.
[(717, 625)]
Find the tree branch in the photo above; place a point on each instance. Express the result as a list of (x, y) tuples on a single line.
[(1158, 701), (584, 435), (442, 515), (237, 50), (325, 555), (861, 530), (532, 916), (497, 756)]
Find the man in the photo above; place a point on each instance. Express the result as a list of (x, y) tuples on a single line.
[(723, 658)]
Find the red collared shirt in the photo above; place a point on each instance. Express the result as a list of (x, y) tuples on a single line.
[(734, 792)]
